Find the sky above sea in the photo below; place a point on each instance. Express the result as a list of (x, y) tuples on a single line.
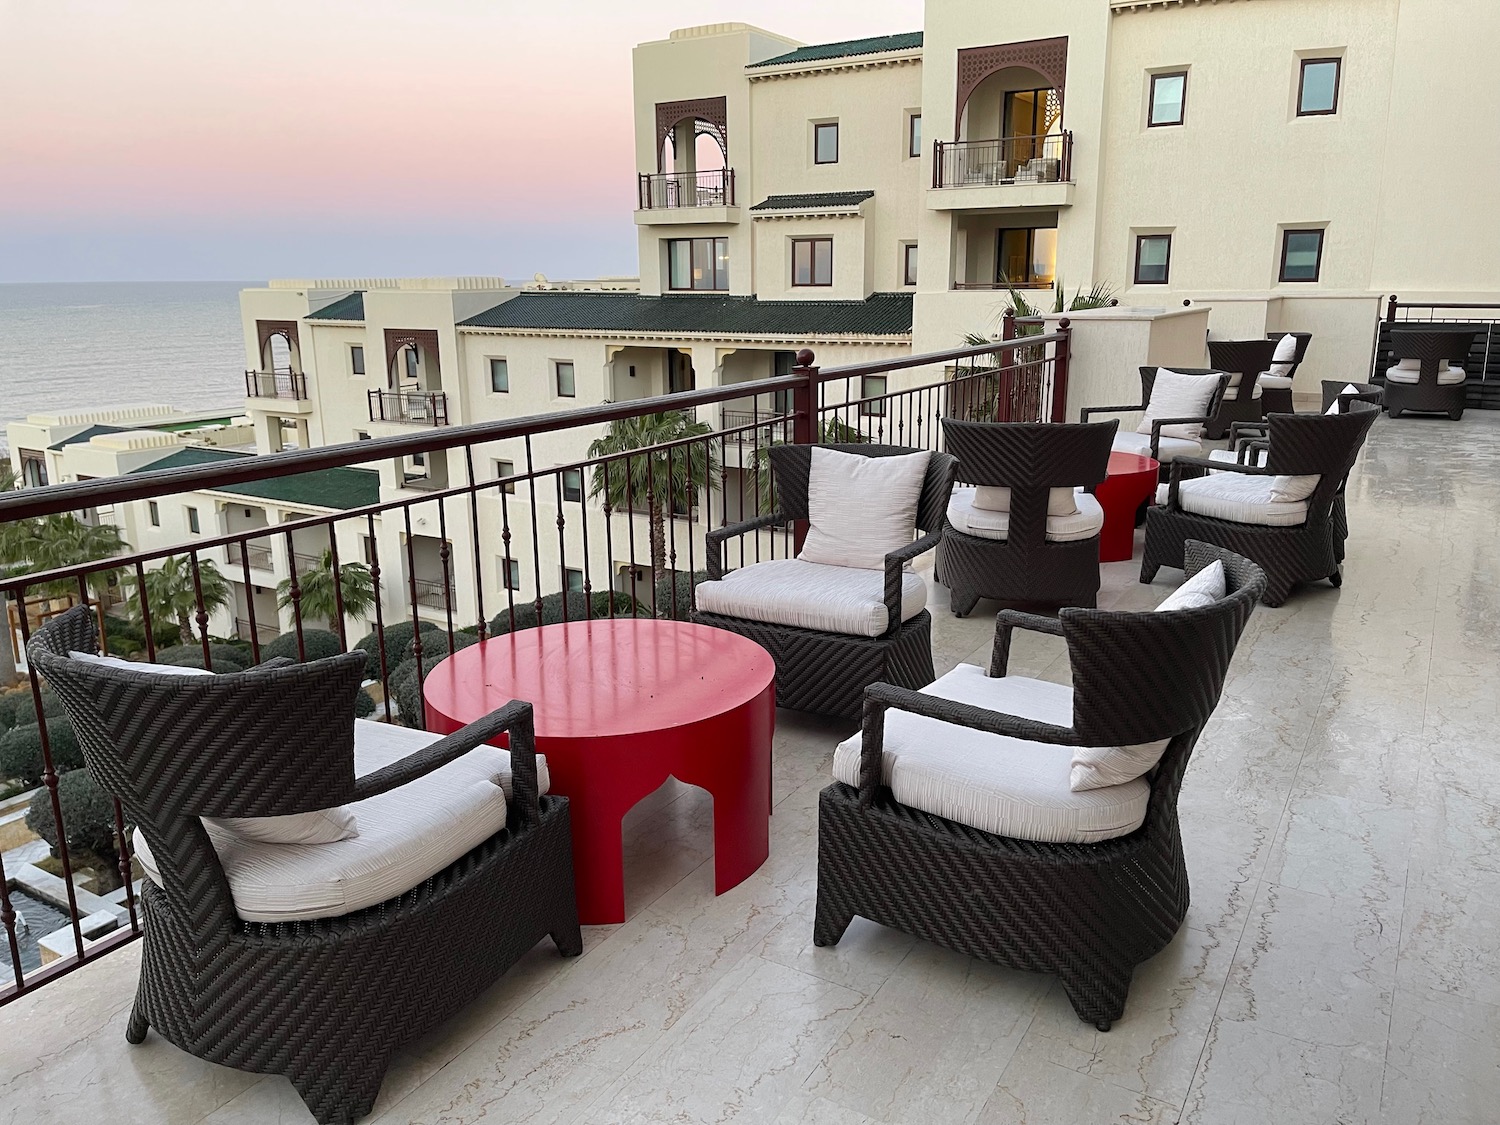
[(175, 139)]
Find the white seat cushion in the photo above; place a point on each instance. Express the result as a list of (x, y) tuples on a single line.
[(1283, 487), (996, 498), (405, 835), (1007, 786), (1240, 498), (1272, 382), (1410, 371), (1175, 395), (1084, 523), (1169, 448), (807, 595), (860, 509), (1229, 456), (1234, 383), (1282, 359), (1198, 592)]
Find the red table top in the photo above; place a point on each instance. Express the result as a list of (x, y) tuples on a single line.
[(1125, 464), (592, 679)]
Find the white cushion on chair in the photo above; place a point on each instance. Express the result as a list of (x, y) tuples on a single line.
[(1282, 359), (1174, 395), (996, 498), (1007, 786), (1410, 371), (1286, 489), (1168, 450), (807, 595), (1199, 591), (139, 665), (860, 509), (1240, 498), (1231, 457), (1084, 523), (1234, 383), (406, 835), (1271, 382)]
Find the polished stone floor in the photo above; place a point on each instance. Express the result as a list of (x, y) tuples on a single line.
[(1340, 964)]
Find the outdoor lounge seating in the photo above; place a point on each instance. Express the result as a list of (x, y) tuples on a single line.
[(1022, 533), (1278, 513), (848, 612), (1338, 391), (382, 880), (1276, 380), (1429, 375), (1245, 360), (1175, 415), (1027, 823)]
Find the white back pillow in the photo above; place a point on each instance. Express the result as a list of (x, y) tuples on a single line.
[(1281, 359), (859, 509), (1175, 395), (996, 498)]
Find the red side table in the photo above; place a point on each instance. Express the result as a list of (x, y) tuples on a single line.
[(620, 706), (1132, 480)]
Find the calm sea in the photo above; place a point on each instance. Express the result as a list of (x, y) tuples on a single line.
[(70, 346)]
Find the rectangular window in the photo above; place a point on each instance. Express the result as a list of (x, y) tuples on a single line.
[(812, 261), (914, 135), (510, 574), (499, 376), (1318, 87), (361, 435), (33, 468), (505, 469), (572, 580), (826, 143), (1168, 99), (154, 513), (1026, 256), (356, 360), (872, 387), (572, 485), (563, 375), (681, 374), (367, 543), (413, 365), (192, 515), (698, 263), (1153, 258), (1301, 255), (909, 264)]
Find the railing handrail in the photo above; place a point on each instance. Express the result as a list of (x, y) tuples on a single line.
[(1003, 140), (720, 180), (74, 495)]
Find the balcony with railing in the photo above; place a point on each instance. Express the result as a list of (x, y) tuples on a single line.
[(1003, 172), (686, 197), (285, 385), (417, 408), (258, 555)]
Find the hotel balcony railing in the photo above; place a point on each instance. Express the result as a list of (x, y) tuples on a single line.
[(764, 427), (246, 630), (1005, 160), (659, 190), (257, 554), (528, 511), (420, 408), (276, 384)]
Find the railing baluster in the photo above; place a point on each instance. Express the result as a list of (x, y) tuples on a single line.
[(416, 615), (507, 558), (669, 515), (481, 626), (294, 593), (201, 616), (562, 544), (337, 575), (445, 556), (536, 539), (630, 529), (8, 920), (385, 675), (609, 538), (249, 599)]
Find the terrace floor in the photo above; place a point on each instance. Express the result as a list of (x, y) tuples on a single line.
[(1340, 963)]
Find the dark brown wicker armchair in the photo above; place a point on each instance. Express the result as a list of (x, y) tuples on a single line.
[(827, 672), (1086, 912), (1311, 548), (1162, 449), (324, 1001), (1439, 383), (1276, 387), (1038, 558), (1244, 360)]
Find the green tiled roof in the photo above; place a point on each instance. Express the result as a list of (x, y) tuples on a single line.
[(89, 434), (351, 307), (812, 199), (882, 314), (322, 488), (847, 49)]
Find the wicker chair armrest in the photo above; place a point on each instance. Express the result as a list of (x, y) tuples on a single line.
[(1083, 415), (1180, 463), (895, 563), (880, 696), (714, 541), (1236, 429), (1006, 622), (514, 718), (276, 662)]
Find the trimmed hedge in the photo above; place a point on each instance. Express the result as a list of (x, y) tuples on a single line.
[(406, 693), (435, 645), (684, 584), (319, 644), (364, 704), (21, 751), (398, 636), (226, 658), (88, 814), (579, 608), (17, 709)]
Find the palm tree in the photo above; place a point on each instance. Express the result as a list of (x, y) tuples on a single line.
[(831, 431), (170, 593), (315, 591), (665, 479)]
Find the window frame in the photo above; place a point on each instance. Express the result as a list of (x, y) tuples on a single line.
[(812, 264), (153, 513), (510, 573), (714, 272), (873, 409), (32, 466), (557, 368), (1140, 241), (909, 263), (1028, 282), (1338, 82), (567, 577), (504, 468), (568, 492), (1286, 238), (195, 525), (505, 370), (1151, 122), (914, 135), (357, 361), (818, 127)]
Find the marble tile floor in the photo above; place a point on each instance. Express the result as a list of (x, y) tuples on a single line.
[(1340, 964)]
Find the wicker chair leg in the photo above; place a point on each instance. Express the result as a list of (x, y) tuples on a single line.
[(568, 938), (1336, 579), (347, 1094), (830, 921), (1098, 993), (1148, 570), (135, 1030), (963, 603)]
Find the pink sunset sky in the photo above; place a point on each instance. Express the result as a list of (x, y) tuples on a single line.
[(243, 139)]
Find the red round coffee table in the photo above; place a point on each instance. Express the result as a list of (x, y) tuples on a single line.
[(1131, 481), (620, 706)]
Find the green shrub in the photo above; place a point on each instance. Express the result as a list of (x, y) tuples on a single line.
[(319, 644), (21, 751), (88, 815), (398, 636), (126, 638), (406, 693), (364, 704), (435, 646), (226, 658), (684, 583), (18, 709), (579, 608)]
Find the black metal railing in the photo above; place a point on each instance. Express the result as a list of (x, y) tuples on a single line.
[(1003, 160), (1483, 364), (659, 190), (258, 555), (422, 408), (276, 384), (499, 543)]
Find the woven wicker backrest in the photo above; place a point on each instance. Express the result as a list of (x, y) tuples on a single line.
[(1325, 444), (1148, 381), (1433, 348), (790, 465), (1303, 340), (1333, 389), (1246, 357), (1143, 676)]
